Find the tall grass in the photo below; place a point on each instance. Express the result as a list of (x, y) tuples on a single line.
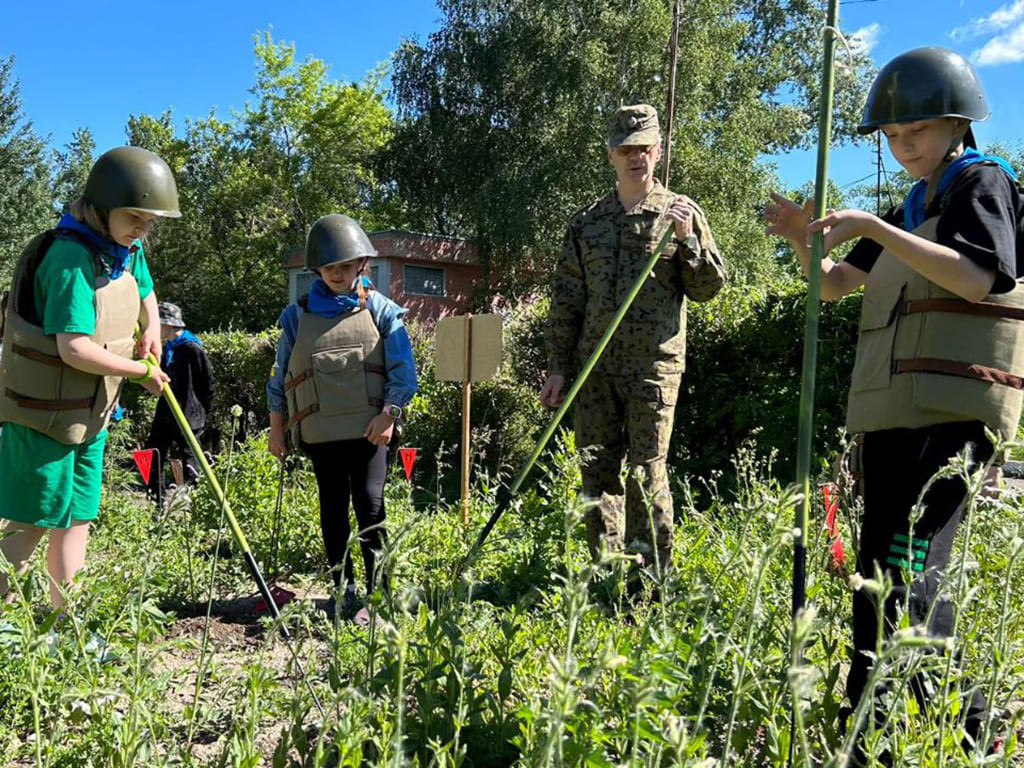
[(535, 658)]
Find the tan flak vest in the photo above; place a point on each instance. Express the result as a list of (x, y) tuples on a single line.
[(334, 384), (39, 390), (926, 356)]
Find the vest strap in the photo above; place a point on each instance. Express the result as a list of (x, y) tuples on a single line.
[(48, 405), (961, 307), (301, 415), (954, 368), (296, 380), (380, 370), (39, 357)]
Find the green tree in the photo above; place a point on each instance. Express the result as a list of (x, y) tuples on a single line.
[(251, 186), (502, 113), (25, 208), (73, 165)]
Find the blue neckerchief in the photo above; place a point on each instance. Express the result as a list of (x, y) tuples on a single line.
[(327, 304), (115, 257), (913, 206), (177, 341)]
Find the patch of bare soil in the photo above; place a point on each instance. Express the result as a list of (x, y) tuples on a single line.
[(236, 638)]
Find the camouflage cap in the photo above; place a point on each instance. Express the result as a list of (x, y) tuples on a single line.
[(635, 125), (170, 315)]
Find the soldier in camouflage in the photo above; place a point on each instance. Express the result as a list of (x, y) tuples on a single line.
[(626, 407)]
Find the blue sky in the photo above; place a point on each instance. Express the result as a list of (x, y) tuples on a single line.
[(990, 32), (95, 64)]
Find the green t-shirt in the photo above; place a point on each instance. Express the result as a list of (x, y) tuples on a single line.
[(65, 286)]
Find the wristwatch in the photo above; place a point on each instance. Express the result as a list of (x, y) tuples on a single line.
[(392, 410), (690, 241)]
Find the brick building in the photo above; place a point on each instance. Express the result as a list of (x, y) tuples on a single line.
[(432, 276)]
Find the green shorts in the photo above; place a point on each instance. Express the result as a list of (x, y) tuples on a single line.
[(46, 483)]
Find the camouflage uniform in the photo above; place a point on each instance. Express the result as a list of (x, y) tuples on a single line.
[(627, 405)]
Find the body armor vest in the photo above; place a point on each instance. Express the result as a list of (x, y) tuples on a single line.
[(334, 384), (39, 390), (926, 356)]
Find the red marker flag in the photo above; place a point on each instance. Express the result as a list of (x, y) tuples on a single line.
[(144, 461), (408, 456), (838, 562)]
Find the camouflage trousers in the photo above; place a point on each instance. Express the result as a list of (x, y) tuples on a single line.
[(616, 420)]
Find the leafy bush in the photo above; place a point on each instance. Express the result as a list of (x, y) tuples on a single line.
[(743, 377), (241, 363)]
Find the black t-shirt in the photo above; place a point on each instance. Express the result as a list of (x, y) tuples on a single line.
[(979, 216)]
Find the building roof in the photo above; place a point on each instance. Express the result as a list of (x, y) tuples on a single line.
[(410, 246)]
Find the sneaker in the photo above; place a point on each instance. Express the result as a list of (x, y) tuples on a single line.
[(349, 603)]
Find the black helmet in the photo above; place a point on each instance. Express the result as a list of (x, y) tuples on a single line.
[(923, 84), (133, 177), (336, 238)]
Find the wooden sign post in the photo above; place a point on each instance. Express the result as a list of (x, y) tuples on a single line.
[(468, 349)]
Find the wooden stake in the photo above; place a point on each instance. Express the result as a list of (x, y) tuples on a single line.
[(670, 109), (467, 390)]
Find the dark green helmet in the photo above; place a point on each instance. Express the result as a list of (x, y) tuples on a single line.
[(923, 84), (132, 177), (336, 238)]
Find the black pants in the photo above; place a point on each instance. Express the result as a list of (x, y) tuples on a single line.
[(173, 446), (897, 465), (356, 470)]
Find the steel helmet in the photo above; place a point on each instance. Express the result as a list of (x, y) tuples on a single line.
[(336, 238), (923, 84), (133, 177)]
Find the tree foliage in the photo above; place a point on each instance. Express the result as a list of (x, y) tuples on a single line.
[(252, 185), (73, 165), (25, 206), (502, 112)]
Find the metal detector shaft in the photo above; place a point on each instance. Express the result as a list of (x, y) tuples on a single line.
[(505, 497), (810, 360), (236, 530)]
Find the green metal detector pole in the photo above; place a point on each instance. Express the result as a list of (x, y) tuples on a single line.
[(806, 423), (236, 530), (505, 497)]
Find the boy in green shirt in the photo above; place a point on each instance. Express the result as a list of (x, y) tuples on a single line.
[(78, 293)]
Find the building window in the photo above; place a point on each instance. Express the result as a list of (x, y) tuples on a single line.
[(375, 276), (425, 281), (303, 280)]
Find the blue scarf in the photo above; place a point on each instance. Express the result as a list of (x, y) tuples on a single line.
[(323, 302), (115, 257), (913, 206), (182, 338)]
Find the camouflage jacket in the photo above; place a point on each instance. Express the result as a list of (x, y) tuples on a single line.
[(605, 249)]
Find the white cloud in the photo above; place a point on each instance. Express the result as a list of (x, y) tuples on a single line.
[(1001, 49), (865, 39), (998, 20)]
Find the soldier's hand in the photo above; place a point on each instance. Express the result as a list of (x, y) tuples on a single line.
[(551, 393), (680, 213)]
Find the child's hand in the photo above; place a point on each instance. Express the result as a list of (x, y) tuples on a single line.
[(276, 443), (840, 226), (154, 383), (380, 429), (149, 343), (787, 219)]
